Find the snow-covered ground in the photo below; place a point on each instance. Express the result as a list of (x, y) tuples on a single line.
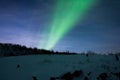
[(46, 66)]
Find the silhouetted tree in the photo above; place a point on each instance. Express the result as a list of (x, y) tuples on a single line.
[(116, 56)]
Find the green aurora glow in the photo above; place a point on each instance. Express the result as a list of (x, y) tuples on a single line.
[(67, 13)]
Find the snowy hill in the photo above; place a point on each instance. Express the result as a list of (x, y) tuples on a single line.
[(43, 67)]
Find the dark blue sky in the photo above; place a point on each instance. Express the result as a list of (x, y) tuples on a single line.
[(24, 21)]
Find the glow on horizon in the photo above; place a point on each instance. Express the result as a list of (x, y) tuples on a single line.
[(67, 13)]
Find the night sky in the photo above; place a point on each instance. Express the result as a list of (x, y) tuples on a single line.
[(26, 22)]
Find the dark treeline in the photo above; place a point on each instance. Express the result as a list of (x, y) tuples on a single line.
[(17, 50)]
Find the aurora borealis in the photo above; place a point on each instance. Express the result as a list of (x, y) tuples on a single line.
[(67, 13), (61, 25)]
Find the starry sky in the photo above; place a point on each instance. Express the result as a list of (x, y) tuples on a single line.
[(25, 22)]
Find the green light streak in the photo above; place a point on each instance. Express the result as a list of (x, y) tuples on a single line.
[(67, 13)]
